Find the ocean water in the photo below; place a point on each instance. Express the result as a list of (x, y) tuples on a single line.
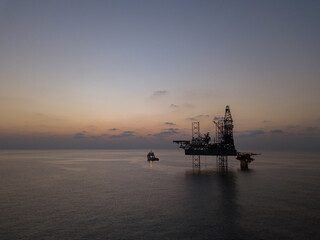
[(117, 194)]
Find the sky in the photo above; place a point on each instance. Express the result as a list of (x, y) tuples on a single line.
[(136, 74)]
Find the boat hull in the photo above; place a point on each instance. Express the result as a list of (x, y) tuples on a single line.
[(154, 159)]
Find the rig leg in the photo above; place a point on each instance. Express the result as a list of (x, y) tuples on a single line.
[(243, 164), (222, 162), (195, 161)]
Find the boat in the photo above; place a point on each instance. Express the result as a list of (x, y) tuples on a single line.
[(152, 157)]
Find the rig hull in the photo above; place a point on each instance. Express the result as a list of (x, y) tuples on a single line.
[(210, 152)]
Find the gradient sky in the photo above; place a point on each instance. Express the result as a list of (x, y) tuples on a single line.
[(125, 74)]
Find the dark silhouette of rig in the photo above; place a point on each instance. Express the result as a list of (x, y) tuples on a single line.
[(222, 146)]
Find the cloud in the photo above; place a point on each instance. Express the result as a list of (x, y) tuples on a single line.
[(128, 133), (124, 134), (167, 132), (184, 105), (266, 121), (174, 106), (83, 134), (170, 123), (251, 133), (276, 131), (96, 137), (100, 136), (310, 129), (159, 93), (80, 135), (256, 132), (291, 126), (201, 116), (113, 129)]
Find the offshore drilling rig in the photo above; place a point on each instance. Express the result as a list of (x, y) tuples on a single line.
[(222, 146)]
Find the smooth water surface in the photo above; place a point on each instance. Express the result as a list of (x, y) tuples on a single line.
[(117, 194)]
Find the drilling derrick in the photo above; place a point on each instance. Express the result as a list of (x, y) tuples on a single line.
[(228, 128), (195, 130)]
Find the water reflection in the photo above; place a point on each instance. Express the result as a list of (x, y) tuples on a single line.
[(212, 202), (206, 172)]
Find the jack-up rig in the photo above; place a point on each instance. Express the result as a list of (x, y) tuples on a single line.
[(222, 146)]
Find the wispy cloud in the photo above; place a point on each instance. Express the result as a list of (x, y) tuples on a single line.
[(184, 105), (100, 136), (124, 134), (113, 129), (174, 106), (277, 131), (310, 129), (159, 93), (80, 135), (251, 133), (198, 117), (167, 132), (170, 123)]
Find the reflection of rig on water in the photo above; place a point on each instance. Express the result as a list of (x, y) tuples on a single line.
[(221, 147)]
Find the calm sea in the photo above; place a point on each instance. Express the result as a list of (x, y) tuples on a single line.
[(117, 194)]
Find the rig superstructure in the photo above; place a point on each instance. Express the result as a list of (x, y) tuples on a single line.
[(222, 146)]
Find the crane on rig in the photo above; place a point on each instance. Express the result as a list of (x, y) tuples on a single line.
[(222, 146)]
